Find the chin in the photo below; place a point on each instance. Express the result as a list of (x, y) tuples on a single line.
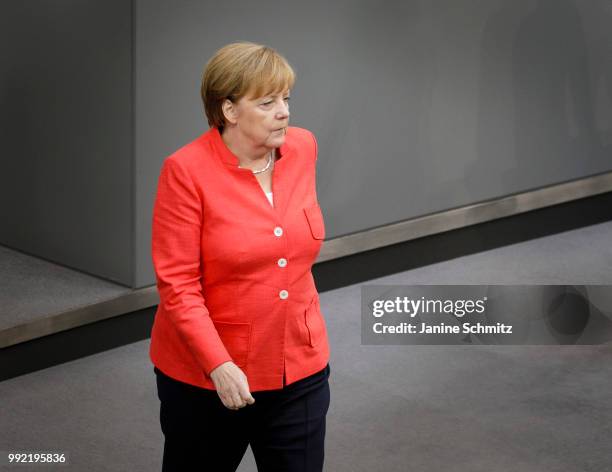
[(276, 139)]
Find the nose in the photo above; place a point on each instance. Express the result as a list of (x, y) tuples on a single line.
[(283, 111)]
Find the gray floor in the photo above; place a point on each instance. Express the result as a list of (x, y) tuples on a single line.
[(393, 408), (34, 289)]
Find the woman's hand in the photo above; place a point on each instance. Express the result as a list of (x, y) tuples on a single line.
[(232, 385)]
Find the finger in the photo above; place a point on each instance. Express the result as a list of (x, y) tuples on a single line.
[(223, 399), (228, 401), (237, 399), (246, 394)]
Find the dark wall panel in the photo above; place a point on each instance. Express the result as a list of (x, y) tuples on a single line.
[(65, 94)]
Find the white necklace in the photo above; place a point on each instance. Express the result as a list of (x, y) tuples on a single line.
[(265, 168)]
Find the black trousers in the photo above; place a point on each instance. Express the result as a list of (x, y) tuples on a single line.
[(285, 428)]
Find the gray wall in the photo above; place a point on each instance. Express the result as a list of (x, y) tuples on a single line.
[(418, 106), (65, 94)]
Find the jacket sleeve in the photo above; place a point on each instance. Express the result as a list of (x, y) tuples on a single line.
[(315, 145), (176, 233)]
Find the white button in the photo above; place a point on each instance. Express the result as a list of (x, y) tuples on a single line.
[(278, 231), (282, 262), (283, 294)]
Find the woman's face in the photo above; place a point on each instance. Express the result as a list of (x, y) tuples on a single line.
[(262, 121)]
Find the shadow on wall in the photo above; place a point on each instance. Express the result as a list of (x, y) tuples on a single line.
[(370, 36), (544, 94)]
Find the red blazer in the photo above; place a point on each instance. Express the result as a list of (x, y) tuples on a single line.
[(233, 272)]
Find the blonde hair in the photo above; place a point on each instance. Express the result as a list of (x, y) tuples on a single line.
[(240, 69)]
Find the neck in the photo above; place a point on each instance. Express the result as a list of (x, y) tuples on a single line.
[(249, 156)]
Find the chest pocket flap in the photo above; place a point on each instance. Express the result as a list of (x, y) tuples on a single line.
[(315, 221)]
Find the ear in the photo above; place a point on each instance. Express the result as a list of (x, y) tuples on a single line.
[(229, 111)]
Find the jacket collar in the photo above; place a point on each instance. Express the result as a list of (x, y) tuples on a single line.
[(229, 158)]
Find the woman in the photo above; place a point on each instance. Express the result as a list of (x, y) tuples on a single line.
[(239, 343)]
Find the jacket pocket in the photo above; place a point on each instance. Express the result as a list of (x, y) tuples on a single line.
[(315, 221), (314, 322), (236, 337)]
